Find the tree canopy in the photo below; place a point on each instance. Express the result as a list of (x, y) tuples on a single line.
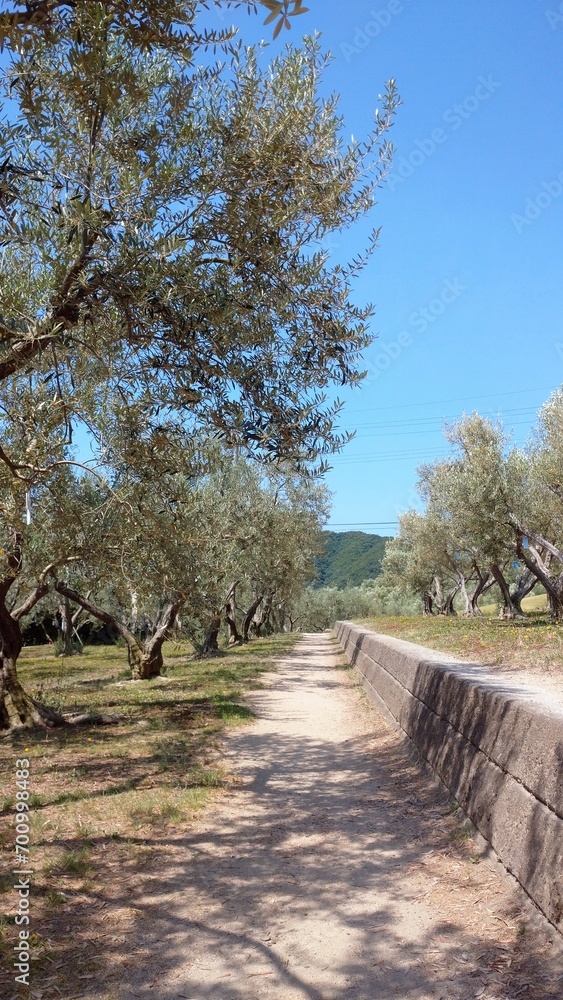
[(162, 230), (493, 517), (168, 312)]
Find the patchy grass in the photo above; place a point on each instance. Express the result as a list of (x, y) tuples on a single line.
[(531, 644), (106, 801), (534, 603)]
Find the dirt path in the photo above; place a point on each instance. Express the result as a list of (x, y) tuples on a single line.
[(332, 870)]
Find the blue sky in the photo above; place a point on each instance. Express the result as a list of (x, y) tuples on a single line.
[(467, 281)]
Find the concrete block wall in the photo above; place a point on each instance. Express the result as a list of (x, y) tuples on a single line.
[(497, 747)]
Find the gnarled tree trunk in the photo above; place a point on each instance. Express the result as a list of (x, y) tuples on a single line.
[(483, 583), (464, 595), (66, 627), (249, 616), (231, 614), (145, 659), (540, 565), (261, 617), (427, 603), (210, 643), (29, 711), (510, 608), (151, 661), (444, 604), (448, 605), (525, 584), (9, 684)]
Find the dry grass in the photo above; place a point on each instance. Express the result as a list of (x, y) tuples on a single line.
[(106, 800), (531, 644)]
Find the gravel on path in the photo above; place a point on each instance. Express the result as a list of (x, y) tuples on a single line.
[(332, 869)]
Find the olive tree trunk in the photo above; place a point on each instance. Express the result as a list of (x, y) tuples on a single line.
[(510, 608), (444, 603), (249, 616), (427, 603), (483, 583), (231, 614), (538, 558), (526, 583), (145, 658), (210, 642), (66, 627), (29, 711), (261, 618)]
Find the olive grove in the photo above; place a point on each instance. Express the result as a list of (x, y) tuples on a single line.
[(171, 327), (493, 518)]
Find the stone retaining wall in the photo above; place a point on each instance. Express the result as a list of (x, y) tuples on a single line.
[(498, 748)]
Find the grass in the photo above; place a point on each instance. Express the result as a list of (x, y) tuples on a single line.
[(109, 799), (535, 603), (532, 643)]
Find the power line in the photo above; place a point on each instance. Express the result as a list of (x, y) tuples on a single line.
[(401, 456), (519, 411), (460, 399), (425, 430)]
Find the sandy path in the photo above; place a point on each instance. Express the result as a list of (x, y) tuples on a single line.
[(329, 870)]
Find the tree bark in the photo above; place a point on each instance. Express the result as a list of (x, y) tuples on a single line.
[(524, 586), (464, 595), (151, 662), (4, 714), (261, 617), (210, 643), (540, 569), (279, 618), (445, 604), (510, 609), (427, 603), (249, 616), (66, 627), (448, 606), (231, 615), (29, 711), (10, 650), (483, 583)]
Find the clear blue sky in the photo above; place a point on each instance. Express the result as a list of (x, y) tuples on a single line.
[(472, 282)]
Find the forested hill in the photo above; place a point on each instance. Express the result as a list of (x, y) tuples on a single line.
[(350, 557)]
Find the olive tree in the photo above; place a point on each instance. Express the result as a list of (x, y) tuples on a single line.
[(536, 504), (421, 560), (29, 555), (162, 224)]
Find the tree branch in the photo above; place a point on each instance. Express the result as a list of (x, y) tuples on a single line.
[(42, 587), (99, 613), (537, 538)]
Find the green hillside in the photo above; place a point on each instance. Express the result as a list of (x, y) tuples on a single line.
[(349, 558)]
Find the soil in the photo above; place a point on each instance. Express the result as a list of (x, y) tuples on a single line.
[(333, 869)]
